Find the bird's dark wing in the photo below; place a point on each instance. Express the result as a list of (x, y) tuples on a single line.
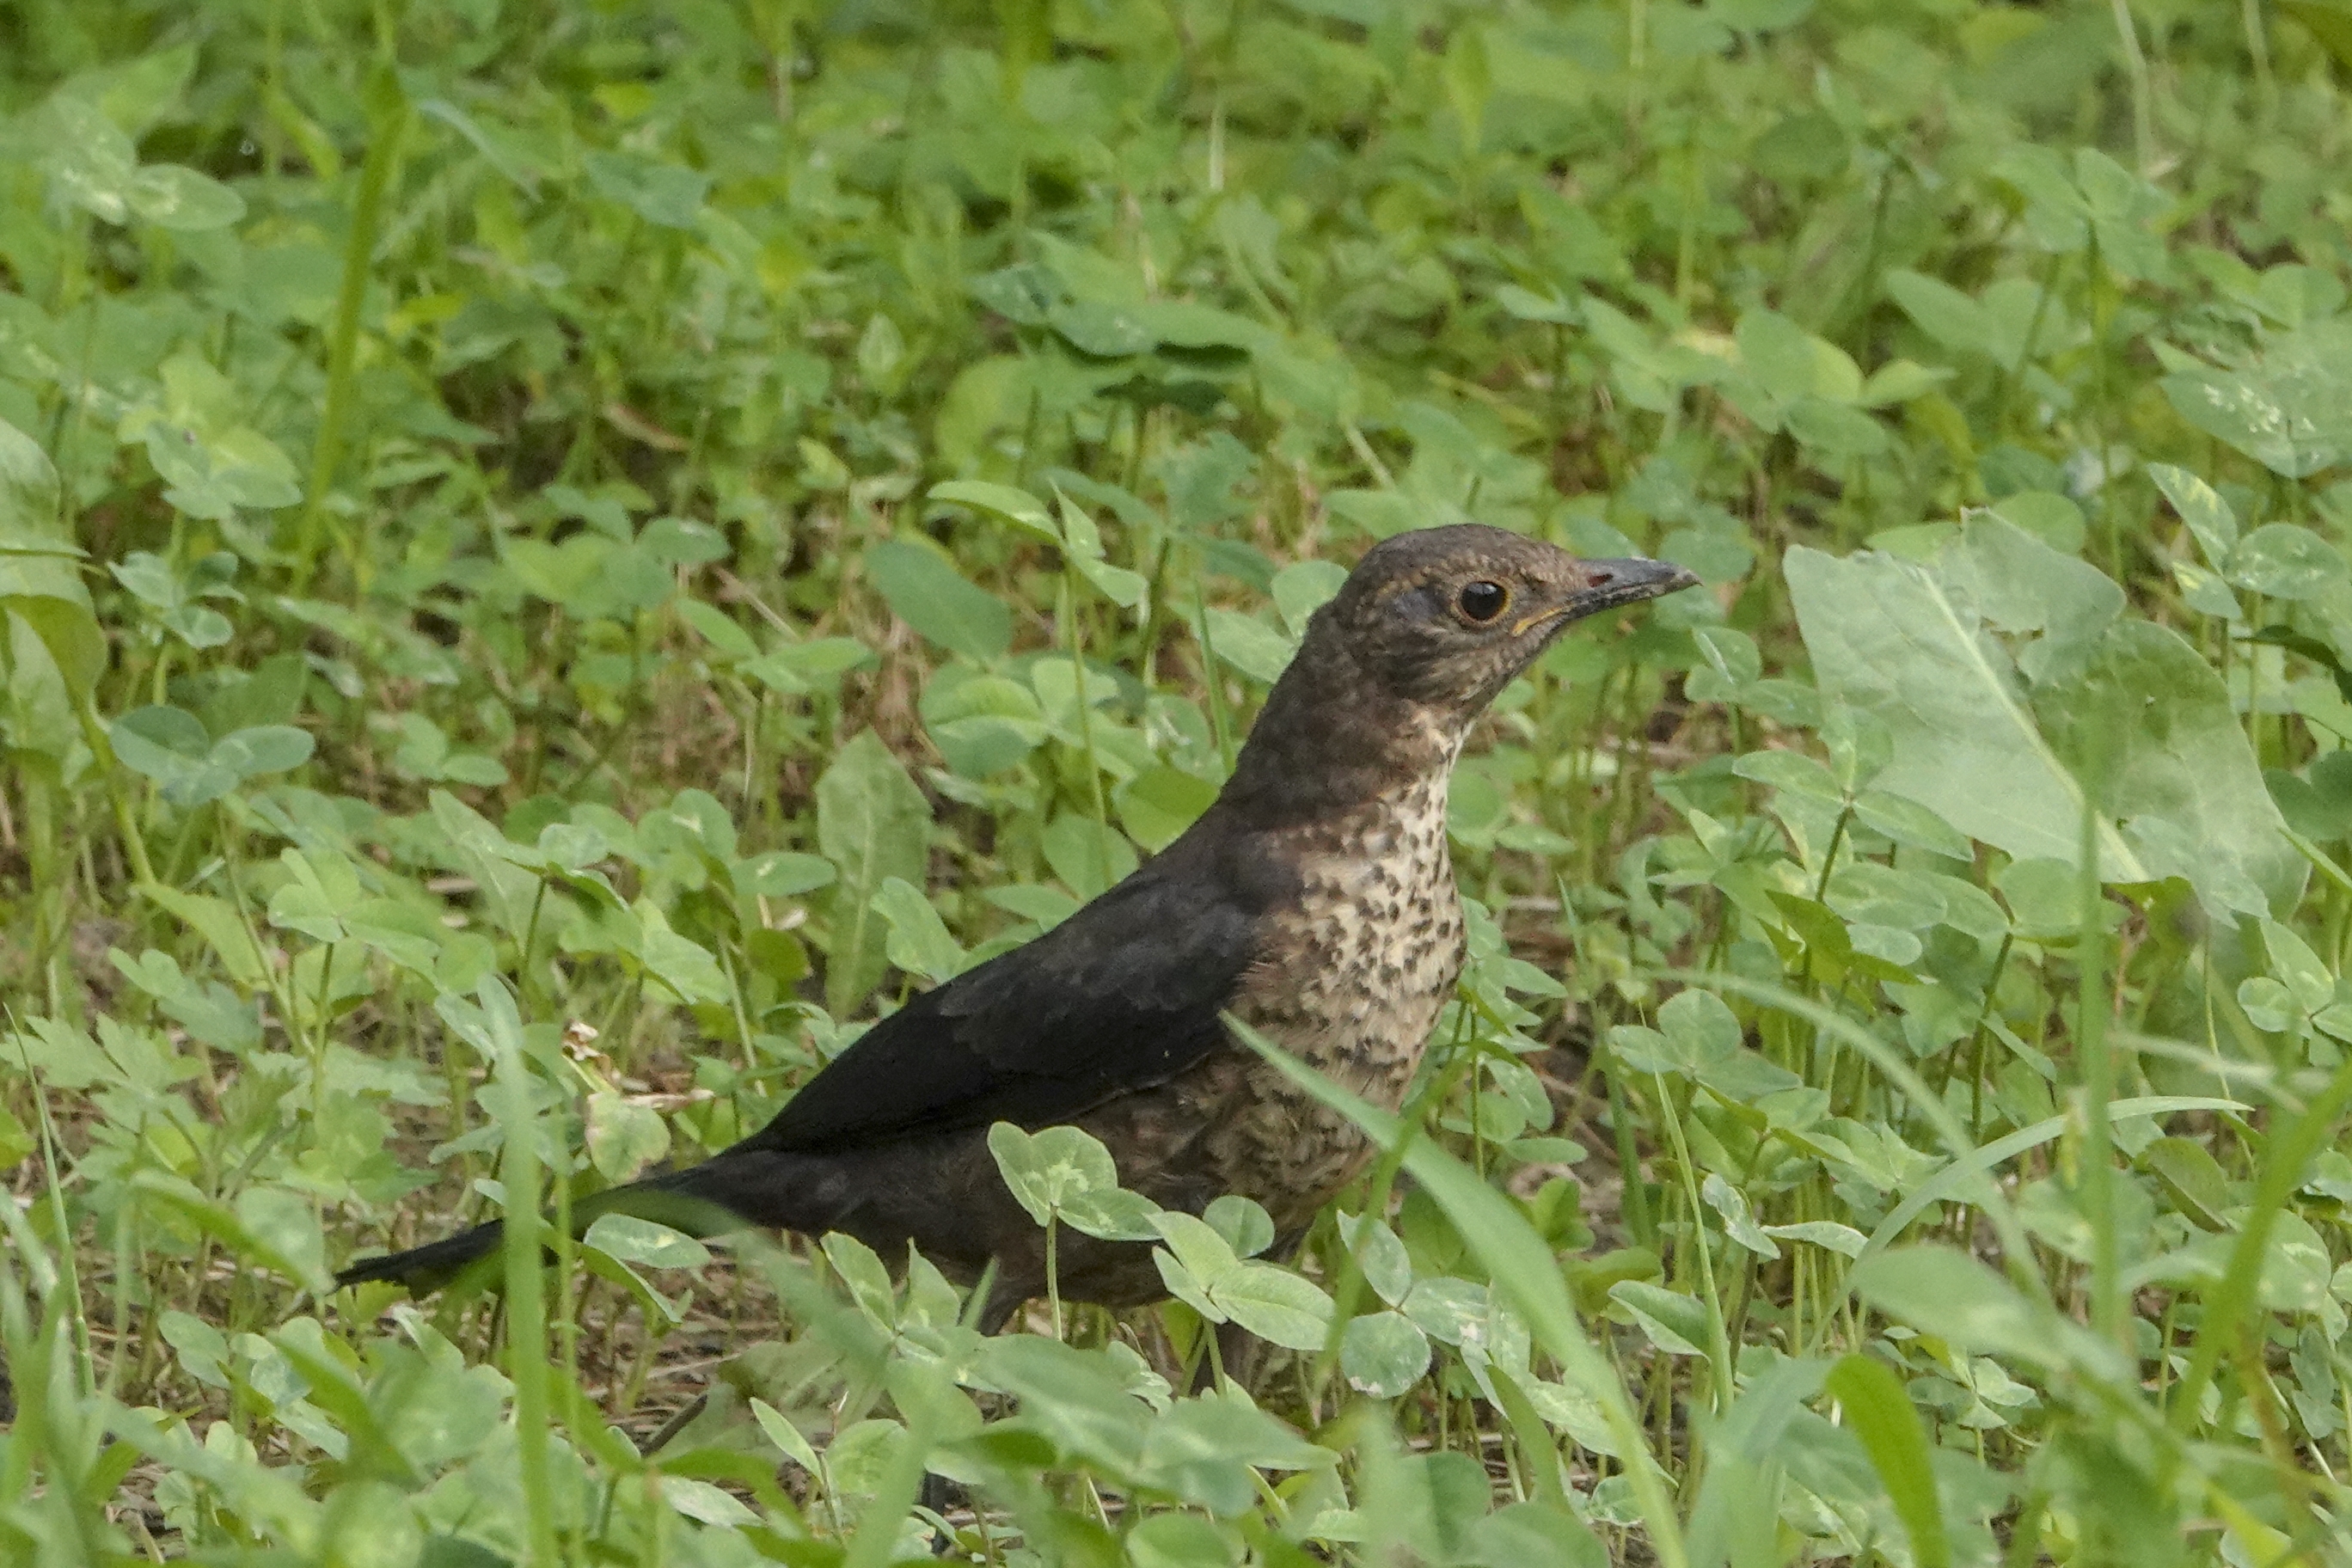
[(1123, 995)]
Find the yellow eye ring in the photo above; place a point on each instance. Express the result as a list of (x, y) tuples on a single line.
[(1482, 601)]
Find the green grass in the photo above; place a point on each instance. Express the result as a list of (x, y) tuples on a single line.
[(559, 559)]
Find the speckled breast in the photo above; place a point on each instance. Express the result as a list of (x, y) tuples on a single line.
[(1355, 978)]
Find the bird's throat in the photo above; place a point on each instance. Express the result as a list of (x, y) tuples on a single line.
[(1331, 740)]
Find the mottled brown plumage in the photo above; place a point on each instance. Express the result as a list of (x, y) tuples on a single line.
[(1314, 901)]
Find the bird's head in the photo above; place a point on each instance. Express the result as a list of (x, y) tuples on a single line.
[(1444, 618), (1423, 634)]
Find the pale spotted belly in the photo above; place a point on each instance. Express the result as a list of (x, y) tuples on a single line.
[(1353, 986)]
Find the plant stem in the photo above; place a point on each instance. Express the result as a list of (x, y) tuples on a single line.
[(388, 127)]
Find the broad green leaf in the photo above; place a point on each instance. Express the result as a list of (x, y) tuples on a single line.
[(1993, 745), (1730, 1206), (201, 1348), (881, 351), (707, 1504), (1675, 1322), (1792, 363), (60, 1056), (1946, 1293), (938, 600), (623, 1141), (1113, 1214), (1791, 770), (1071, 1399), (283, 1227), (1388, 1268), (493, 860), (169, 745), (643, 1242), (402, 932), (1536, 1534), (1275, 1304), (1304, 587), (263, 749), (2192, 1178), (1102, 331), (1017, 507), (1447, 1308), (2209, 518), (303, 906), (1868, 894), (1878, 1411), (1836, 429), (216, 920), (2294, 963), (684, 965), (785, 1437), (1431, 1505), (171, 196), (1383, 1354), (781, 874), (1700, 1025), (667, 195), (873, 824), (2289, 408), (1901, 381), (1120, 586), (1052, 1171), (1842, 1239), (1160, 803), (1194, 1257), (1243, 1222), (1908, 822), (982, 724), (1190, 324), (1203, 1451), (1528, 306), (730, 641), (2284, 561), (1022, 293), (918, 942), (1088, 856), (212, 471), (2051, 518), (816, 665), (1944, 313), (1248, 644), (1049, 907), (38, 582), (90, 161), (862, 1271), (1177, 1541)]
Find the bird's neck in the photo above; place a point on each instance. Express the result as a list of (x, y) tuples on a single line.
[(1332, 739)]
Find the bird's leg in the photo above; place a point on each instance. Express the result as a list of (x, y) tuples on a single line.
[(1242, 1352), (1234, 1354), (674, 1425), (997, 1301)]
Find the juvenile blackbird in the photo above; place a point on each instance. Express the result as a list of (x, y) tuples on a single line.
[(1313, 899)]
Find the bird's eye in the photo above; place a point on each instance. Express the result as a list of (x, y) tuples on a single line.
[(1482, 601)]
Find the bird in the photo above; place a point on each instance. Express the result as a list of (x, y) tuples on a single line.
[(1313, 900)]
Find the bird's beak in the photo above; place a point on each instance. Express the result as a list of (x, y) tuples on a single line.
[(1609, 583)]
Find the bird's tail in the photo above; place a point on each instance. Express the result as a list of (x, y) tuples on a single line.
[(683, 1199)]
